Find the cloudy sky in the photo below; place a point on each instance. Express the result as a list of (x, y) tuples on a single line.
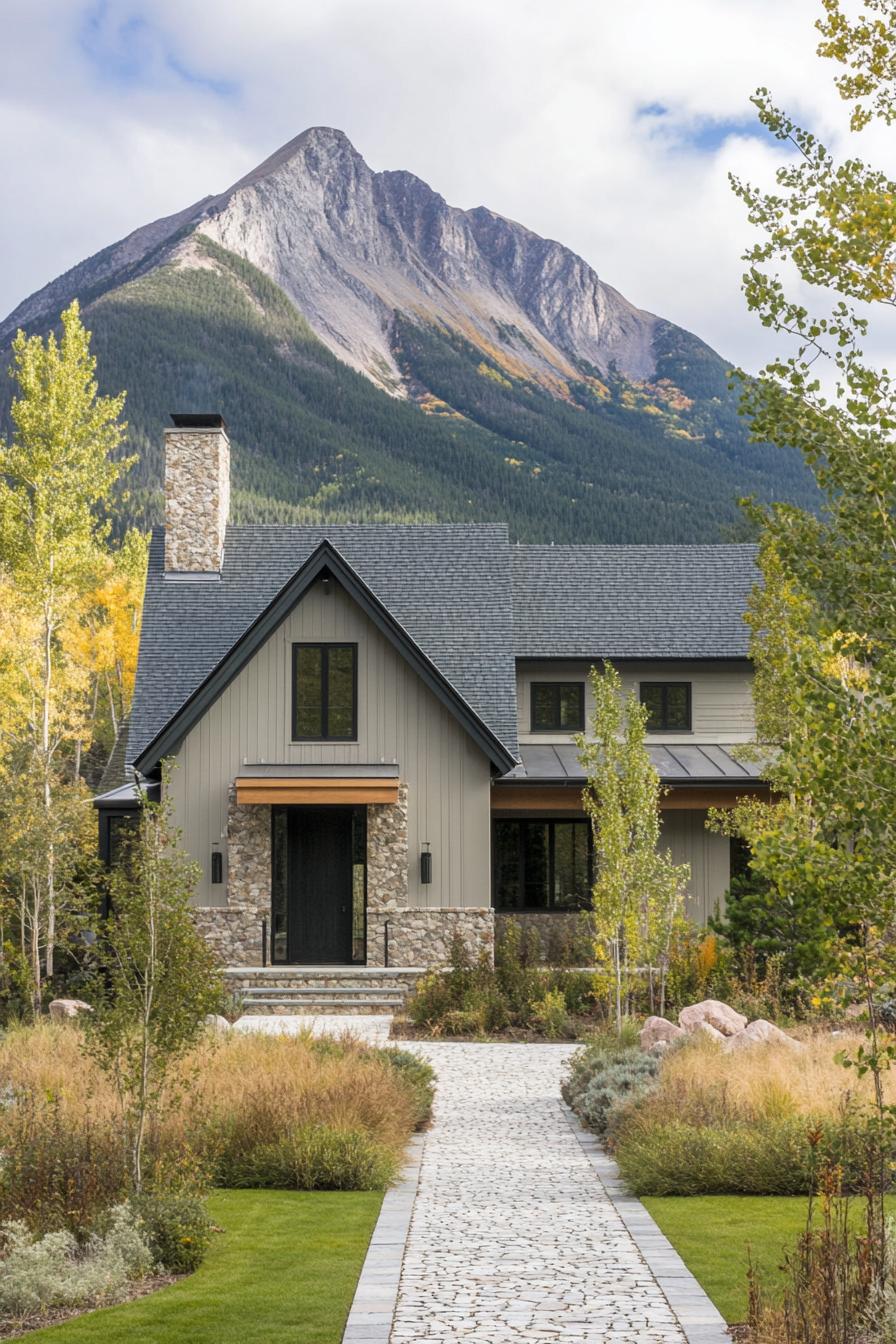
[(609, 126)]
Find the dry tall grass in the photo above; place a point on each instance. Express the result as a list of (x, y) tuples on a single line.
[(252, 1109), (702, 1084), (758, 1121)]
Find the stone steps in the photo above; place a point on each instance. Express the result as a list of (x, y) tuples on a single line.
[(315, 990)]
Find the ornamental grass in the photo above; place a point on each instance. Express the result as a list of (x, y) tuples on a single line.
[(756, 1121), (245, 1109)]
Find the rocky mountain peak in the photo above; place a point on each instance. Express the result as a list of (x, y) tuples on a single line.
[(352, 248)]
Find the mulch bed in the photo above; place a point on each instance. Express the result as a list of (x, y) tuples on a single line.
[(140, 1288)]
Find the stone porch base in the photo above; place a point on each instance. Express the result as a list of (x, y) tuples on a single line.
[(416, 937)]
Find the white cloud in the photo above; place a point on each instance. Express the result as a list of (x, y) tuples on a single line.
[(115, 112)]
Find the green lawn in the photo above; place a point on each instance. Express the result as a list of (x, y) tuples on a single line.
[(712, 1234), (284, 1268)]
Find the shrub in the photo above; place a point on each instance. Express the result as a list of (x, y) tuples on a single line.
[(623, 1081), (52, 1272), (550, 1016), (609, 1072), (416, 1075), (602, 1050), (176, 1227), (312, 1157), (62, 1166), (518, 991), (432, 998), (676, 1157)]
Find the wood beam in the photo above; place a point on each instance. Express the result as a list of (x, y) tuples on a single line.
[(335, 792)]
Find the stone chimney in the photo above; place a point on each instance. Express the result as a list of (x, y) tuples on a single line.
[(197, 493)]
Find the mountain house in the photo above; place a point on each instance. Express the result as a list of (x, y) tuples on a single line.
[(371, 726)]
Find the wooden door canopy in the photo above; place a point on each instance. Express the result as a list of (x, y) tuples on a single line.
[(340, 791)]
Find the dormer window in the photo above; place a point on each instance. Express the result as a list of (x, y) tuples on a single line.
[(668, 706), (558, 706), (324, 692)]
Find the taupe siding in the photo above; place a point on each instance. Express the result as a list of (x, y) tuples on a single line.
[(399, 720), (721, 696), (684, 833)]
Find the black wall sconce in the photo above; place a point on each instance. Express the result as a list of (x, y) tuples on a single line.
[(217, 866), (425, 864)]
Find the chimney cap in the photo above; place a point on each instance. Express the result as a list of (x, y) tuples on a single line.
[(198, 420)]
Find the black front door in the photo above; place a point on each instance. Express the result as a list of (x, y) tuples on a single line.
[(319, 886)]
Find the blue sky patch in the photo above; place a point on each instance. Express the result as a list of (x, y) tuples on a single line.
[(705, 134), (135, 53)]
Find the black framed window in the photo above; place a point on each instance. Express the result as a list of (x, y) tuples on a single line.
[(541, 865), (668, 704), (558, 706), (324, 692)]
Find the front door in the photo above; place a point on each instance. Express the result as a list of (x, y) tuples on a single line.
[(319, 886)]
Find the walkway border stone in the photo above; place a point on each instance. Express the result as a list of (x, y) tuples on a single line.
[(700, 1320), (373, 1306)]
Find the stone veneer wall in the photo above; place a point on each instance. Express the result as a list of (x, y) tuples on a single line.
[(233, 931), (417, 936), (387, 870), (423, 937), (197, 499)]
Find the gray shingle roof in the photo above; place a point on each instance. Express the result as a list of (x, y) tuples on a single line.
[(631, 601), (468, 599), (447, 585)]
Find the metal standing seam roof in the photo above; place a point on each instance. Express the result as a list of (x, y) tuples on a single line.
[(675, 763)]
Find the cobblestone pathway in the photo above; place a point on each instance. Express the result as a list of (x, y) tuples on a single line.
[(512, 1237)]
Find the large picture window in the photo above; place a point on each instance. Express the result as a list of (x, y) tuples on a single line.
[(558, 706), (668, 704), (541, 865), (324, 692)]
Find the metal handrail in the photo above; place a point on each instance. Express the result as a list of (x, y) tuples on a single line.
[(386, 943), (264, 941)]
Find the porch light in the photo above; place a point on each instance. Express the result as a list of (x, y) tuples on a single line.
[(425, 864), (217, 866)]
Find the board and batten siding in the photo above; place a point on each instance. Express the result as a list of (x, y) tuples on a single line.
[(721, 697), (683, 832), (400, 721)]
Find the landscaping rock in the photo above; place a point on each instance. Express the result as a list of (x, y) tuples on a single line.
[(63, 1009), (658, 1031), (717, 1014), (707, 1029), (215, 1022), (761, 1032)]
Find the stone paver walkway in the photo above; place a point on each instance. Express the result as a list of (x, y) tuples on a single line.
[(370, 1027), (513, 1236)]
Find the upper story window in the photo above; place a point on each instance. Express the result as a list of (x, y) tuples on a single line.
[(324, 692), (558, 706), (668, 704)]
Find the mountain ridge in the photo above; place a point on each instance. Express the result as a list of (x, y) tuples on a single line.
[(543, 388)]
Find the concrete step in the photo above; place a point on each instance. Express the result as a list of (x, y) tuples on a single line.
[(321, 991), (323, 1007)]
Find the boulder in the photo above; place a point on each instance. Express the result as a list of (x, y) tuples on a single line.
[(761, 1032), (656, 1031), (62, 1009), (215, 1022), (707, 1029), (717, 1014)]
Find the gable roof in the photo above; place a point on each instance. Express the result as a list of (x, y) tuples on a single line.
[(631, 601), (440, 593)]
